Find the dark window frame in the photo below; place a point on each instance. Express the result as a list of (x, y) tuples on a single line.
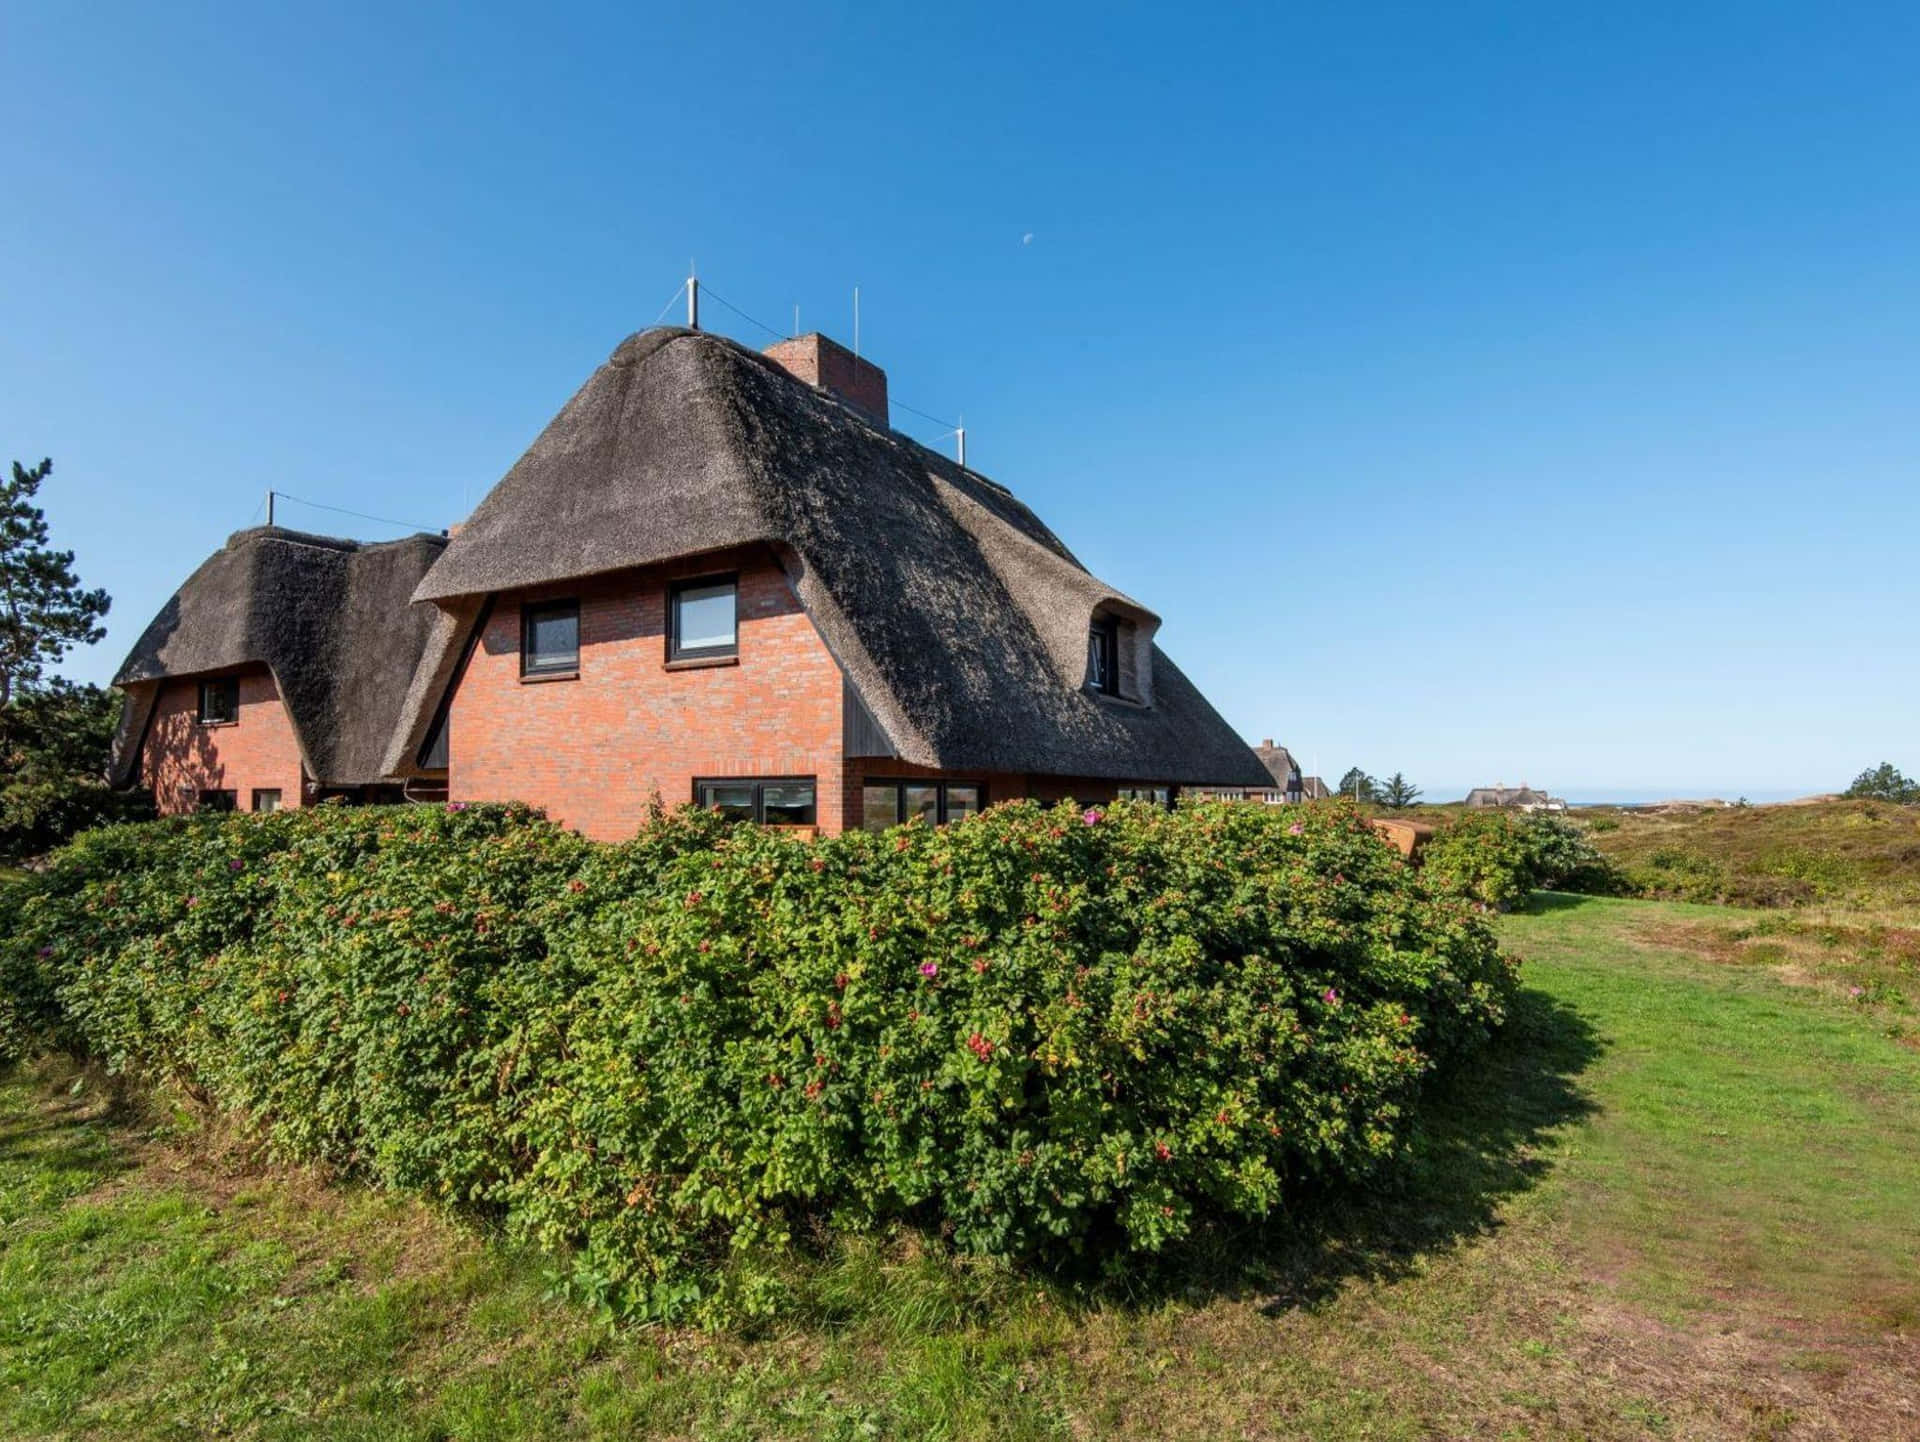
[(529, 611), (675, 589), (274, 791), (203, 799), (227, 685), (1103, 641), (899, 785), (759, 785)]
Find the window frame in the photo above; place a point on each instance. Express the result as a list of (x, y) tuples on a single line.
[(201, 795), (229, 685), (274, 791), (675, 590), (760, 785), (530, 670), (899, 784), (1104, 632)]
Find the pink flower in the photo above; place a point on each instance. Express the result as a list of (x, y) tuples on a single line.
[(1092, 816), (1296, 829), (1332, 998), (1856, 991), (236, 865), (456, 806), (929, 968)]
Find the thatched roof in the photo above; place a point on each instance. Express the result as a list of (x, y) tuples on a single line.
[(959, 619), (1279, 763), (331, 619)]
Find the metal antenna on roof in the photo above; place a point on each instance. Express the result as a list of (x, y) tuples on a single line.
[(693, 297), (960, 434), (856, 322), (269, 508), (796, 320)]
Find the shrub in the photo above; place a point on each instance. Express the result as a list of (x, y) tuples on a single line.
[(1497, 858), (1043, 1034)]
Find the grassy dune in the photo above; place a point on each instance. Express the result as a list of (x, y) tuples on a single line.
[(1861, 854), (1680, 1204)]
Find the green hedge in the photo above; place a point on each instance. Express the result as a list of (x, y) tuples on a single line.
[(1038, 1032)]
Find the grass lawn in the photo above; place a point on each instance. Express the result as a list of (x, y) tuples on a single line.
[(1683, 1201)]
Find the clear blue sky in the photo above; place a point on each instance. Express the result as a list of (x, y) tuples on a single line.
[(1489, 392)]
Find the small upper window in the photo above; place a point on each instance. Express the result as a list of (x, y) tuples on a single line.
[(220, 701), (266, 798), (1103, 656), (550, 638), (704, 619)]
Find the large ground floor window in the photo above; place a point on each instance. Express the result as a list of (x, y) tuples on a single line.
[(788, 801), (885, 803)]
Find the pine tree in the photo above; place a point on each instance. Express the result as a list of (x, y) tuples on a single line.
[(1399, 792), (44, 613)]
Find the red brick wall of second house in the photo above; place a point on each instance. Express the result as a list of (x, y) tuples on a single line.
[(259, 752), (591, 750)]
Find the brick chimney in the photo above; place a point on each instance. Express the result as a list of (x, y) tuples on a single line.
[(829, 366)]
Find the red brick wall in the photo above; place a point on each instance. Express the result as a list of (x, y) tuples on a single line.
[(591, 751), (257, 751)]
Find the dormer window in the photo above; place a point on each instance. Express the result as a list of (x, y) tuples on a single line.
[(1103, 655)]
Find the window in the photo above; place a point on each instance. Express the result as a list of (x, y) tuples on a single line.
[(703, 620), (217, 801), (220, 701), (1103, 655), (266, 799), (1158, 795), (889, 803), (550, 639), (787, 802)]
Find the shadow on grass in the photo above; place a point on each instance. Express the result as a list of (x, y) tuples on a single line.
[(1479, 1138), (1543, 901), (58, 1118)]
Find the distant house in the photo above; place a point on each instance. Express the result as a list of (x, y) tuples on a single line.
[(1514, 798), (1288, 785), (1312, 788), (717, 577)]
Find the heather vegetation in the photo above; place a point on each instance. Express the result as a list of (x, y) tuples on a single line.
[(1065, 1039), (1854, 853)]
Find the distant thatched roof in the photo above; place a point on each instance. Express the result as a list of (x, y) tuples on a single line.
[(1508, 796), (1312, 788), (960, 620), (1279, 763), (331, 619)]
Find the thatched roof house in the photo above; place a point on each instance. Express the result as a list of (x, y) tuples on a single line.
[(330, 620), (959, 619), (883, 633), (1522, 798), (1281, 766)]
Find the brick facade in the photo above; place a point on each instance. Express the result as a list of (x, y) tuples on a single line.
[(182, 757), (593, 749)]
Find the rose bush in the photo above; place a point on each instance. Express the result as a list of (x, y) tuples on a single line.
[(1039, 1033)]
